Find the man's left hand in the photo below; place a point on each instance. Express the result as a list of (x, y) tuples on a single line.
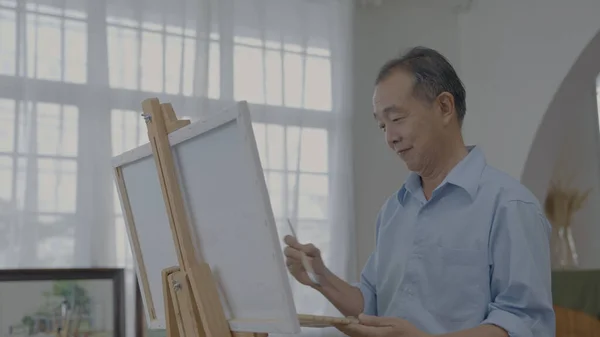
[(373, 326)]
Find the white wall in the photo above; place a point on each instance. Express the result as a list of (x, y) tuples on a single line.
[(512, 56)]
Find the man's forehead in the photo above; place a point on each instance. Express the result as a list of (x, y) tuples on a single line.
[(386, 98), (391, 93), (398, 85), (381, 94)]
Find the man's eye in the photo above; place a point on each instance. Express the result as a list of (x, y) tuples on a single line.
[(382, 127)]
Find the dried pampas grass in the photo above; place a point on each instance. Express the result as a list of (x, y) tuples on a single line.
[(562, 202)]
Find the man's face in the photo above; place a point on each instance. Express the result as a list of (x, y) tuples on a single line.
[(412, 126)]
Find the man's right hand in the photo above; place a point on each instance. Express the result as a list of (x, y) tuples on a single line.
[(345, 297), (293, 253)]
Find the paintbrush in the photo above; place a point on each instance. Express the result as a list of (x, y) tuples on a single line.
[(305, 260)]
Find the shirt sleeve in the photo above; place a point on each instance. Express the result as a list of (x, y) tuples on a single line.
[(521, 271), (368, 277), (367, 286)]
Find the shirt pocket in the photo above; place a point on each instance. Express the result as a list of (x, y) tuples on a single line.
[(458, 292)]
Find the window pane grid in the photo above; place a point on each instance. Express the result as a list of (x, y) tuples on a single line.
[(128, 130), (48, 56), (291, 51), (53, 11), (8, 3), (283, 78), (49, 30), (23, 155), (295, 157), (57, 185), (277, 46), (8, 44), (55, 234), (167, 30), (39, 171), (6, 180), (53, 126), (156, 60)]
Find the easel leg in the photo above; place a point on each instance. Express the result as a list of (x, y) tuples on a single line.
[(182, 295), (183, 319), (207, 300), (172, 313)]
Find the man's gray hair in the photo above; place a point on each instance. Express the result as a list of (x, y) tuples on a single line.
[(433, 75)]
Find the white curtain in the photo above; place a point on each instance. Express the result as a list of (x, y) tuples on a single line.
[(73, 74)]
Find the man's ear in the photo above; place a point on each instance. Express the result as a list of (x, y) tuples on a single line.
[(445, 102)]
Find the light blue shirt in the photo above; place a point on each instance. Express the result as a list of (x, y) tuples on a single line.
[(477, 252)]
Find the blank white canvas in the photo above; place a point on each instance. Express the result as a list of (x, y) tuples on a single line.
[(228, 207)]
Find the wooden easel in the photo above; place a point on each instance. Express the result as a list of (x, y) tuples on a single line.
[(192, 303)]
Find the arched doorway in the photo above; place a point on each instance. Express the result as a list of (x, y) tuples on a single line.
[(567, 145)]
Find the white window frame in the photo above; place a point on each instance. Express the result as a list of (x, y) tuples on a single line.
[(47, 91)]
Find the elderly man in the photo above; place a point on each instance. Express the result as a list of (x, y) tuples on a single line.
[(462, 249)]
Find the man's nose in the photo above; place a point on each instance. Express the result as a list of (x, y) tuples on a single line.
[(393, 137)]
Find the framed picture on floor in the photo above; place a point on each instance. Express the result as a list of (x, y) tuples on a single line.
[(62, 302)]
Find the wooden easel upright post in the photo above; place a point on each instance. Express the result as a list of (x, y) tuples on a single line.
[(192, 303)]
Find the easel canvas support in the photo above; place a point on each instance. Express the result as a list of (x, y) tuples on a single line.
[(192, 303)]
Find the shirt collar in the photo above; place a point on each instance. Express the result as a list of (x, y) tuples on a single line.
[(465, 175)]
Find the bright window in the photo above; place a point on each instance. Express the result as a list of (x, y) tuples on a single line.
[(38, 176), (155, 60), (73, 76), (266, 73), (57, 44), (294, 156), (52, 151)]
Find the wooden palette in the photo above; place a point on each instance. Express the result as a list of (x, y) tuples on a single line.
[(314, 321)]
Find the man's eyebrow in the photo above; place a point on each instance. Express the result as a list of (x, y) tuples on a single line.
[(387, 110), (391, 108)]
